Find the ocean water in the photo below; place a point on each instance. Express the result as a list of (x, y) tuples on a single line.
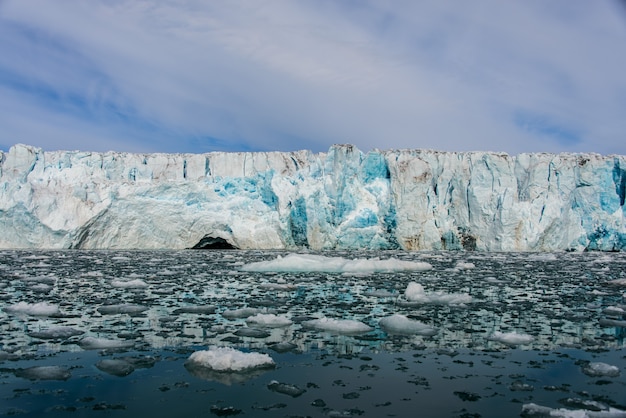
[(95, 333)]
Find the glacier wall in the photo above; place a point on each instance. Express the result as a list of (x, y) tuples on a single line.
[(342, 199)]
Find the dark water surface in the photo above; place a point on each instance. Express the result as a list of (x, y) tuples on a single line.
[(108, 333)]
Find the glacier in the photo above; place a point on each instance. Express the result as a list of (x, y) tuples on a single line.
[(340, 199)]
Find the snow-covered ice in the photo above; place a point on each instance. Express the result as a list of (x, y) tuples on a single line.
[(596, 369)]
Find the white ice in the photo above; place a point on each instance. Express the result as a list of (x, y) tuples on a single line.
[(94, 343), (400, 324), (534, 410), (129, 284), (33, 309), (227, 359), (511, 338), (268, 320), (318, 263), (415, 293), (340, 326), (596, 369)]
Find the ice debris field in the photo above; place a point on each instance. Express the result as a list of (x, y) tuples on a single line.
[(166, 333)]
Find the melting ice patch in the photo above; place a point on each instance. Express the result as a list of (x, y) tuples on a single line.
[(268, 320), (33, 309), (415, 293), (323, 264), (511, 338), (400, 324), (227, 359), (534, 410), (339, 326), (595, 369)]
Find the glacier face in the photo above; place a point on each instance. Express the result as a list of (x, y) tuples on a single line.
[(342, 199)]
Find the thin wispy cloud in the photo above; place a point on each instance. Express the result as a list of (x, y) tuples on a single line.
[(196, 76)]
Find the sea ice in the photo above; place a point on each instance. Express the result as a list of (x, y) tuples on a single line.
[(44, 373), (595, 369), (124, 308), (415, 293), (115, 367), (129, 284), (533, 410), (268, 320), (285, 388), (94, 343), (340, 326), (240, 313), (33, 309), (511, 338), (400, 324), (319, 263), (227, 359), (56, 333)]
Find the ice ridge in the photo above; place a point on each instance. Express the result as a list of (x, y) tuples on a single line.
[(342, 199)]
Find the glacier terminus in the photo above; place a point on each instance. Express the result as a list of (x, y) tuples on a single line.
[(341, 199)]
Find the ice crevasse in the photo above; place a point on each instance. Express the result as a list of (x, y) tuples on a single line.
[(341, 199)]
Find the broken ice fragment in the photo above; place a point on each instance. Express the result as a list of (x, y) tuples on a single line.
[(116, 367), (595, 369), (339, 326), (33, 309), (44, 373), (400, 324), (56, 333), (511, 338), (285, 388)]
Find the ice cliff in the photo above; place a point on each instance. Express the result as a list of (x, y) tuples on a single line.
[(342, 199)]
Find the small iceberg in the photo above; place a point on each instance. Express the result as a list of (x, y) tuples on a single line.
[(511, 339), (227, 365), (33, 309), (400, 324), (415, 293), (339, 326)]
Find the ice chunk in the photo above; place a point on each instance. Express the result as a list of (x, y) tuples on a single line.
[(94, 343), (116, 367), (400, 324), (44, 373), (227, 359), (268, 320), (196, 309), (125, 308), (339, 326), (511, 338), (240, 313), (618, 282), (319, 263), (56, 333), (415, 293), (285, 388), (464, 266), (33, 309), (595, 369), (129, 284), (533, 410)]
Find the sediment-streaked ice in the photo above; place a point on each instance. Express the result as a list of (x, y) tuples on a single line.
[(319, 263)]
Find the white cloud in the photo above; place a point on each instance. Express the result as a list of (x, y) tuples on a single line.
[(280, 74)]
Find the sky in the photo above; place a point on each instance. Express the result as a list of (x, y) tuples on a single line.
[(283, 75)]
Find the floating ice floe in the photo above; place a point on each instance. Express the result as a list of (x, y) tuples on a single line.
[(533, 410), (115, 367), (94, 343), (269, 320), (240, 313), (596, 369), (415, 293), (511, 338), (124, 308), (129, 284), (319, 263), (618, 282), (400, 324), (33, 309), (43, 373), (227, 359), (56, 333), (339, 326), (285, 388), (464, 266)]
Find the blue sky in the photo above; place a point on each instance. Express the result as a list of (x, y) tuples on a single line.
[(256, 75)]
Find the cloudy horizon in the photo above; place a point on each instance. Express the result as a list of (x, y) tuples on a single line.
[(196, 76)]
